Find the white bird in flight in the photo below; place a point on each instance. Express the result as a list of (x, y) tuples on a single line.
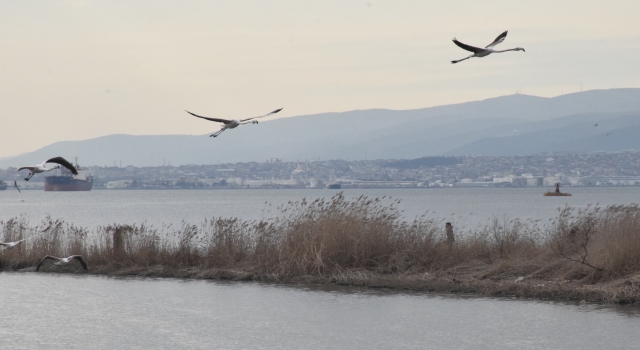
[(232, 123), (63, 261), (7, 246), (41, 168), (480, 52)]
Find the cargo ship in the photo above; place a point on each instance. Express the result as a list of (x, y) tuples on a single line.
[(66, 181)]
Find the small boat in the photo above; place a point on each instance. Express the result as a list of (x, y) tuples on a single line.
[(3, 185), (556, 193), (552, 194)]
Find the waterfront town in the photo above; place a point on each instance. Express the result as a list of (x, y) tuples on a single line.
[(569, 169)]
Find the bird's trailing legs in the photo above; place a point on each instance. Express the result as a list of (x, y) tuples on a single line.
[(218, 132), (28, 177), (462, 59)]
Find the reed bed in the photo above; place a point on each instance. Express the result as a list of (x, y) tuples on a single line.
[(357, 241)]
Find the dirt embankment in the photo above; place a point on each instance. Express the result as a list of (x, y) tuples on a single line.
[(479, 279)]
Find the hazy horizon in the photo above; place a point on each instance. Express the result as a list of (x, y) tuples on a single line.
[(75, 70)]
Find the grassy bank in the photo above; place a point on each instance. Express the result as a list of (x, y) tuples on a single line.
[(591, 254)]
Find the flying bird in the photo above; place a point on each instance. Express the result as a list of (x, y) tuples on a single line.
[(488, 50), (10, 245), (7, 246), (41, 168), (232, 123), (63, 261), (596, 124)]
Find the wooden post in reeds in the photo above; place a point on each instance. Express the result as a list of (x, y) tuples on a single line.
[(450, 238), (118, 246)]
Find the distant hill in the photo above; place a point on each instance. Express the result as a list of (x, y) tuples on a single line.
[(578, 133), (514, 124)]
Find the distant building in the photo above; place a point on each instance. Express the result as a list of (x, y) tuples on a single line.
[(119, 184), (535, 181)]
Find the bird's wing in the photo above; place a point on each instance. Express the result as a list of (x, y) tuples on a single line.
[(262, 116), (212, 119), (82, 262), (467, 47), (43, 259), (65, 163), (30, 168), (4, 244), (498, 40), (15, 183), (37, 234)]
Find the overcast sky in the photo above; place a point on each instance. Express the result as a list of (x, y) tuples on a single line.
[(72, 70)]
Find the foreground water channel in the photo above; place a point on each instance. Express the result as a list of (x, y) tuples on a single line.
[(57, 311)]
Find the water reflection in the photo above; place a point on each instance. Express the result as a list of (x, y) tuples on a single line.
[(623, 310), (68, 311)]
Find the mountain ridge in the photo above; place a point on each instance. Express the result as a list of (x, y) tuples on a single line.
[(494, 126)]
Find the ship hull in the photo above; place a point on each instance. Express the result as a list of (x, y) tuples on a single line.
[(65, 183), (556, 194)]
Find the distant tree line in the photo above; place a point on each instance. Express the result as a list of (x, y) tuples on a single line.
[(422, 162)]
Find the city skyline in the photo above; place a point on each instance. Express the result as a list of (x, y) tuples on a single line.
[(576, 169)]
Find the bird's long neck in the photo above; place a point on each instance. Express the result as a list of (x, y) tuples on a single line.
[(498, 51)]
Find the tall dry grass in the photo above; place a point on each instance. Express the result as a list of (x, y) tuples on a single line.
[(325, 238), (606, 240)]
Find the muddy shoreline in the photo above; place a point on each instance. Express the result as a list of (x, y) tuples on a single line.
[(460, 280)]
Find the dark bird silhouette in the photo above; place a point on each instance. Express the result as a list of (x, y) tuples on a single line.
[(233, 123), (482, 52)]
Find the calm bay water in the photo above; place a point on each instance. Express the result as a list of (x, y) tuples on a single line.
[(89, 312), (465, 207)]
